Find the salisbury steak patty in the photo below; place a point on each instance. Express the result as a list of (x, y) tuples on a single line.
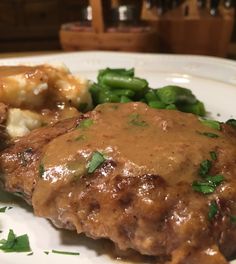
[(158, 181), (19, 162)]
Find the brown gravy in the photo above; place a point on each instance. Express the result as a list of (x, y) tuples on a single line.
[(141, 195), (145, 144)]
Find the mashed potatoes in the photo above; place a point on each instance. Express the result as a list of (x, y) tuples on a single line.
[(29, 90), (34, 87), (20, 122)]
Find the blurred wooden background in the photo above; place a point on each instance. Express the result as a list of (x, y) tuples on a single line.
[(32, 25), (27, 25)]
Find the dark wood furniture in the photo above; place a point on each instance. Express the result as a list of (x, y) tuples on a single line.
[(195, 33), (28, 25), (34, 24), (102, 36)]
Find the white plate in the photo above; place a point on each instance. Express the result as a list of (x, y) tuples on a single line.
[(212, 80)]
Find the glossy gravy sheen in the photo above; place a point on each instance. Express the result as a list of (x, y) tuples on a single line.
[(138, 140), (141, 197)]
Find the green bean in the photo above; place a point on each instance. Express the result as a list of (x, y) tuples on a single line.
[(171, 107), (121, 85), (197, 108), (211, 123), (151, 95), (94, 90), (119, 71), (175, 94), (107, 97), (124, 92), (125, 99), (143, 101), (124, 82), (157, 104), (231, 122)]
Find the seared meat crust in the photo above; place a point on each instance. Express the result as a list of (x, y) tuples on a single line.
[(3, 117), (141, 197), (20, 161)]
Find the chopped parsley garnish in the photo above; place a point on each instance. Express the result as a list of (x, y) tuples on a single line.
[(233, 218), (41, 169), (114, 106), (213, 210), (65, 252), (3, 209), (211, 123), (85, 123), (205, 167), (30, 254), (79, 138), (213, 155), (96, 160), (210, 182), (216, 179), (203, 187), (208, 185), (14, 243), (209, 134), (136, 121), (231, 122), (46, 252)]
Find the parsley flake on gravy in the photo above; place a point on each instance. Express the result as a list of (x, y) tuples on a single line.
[(80, 138), (203, 187), (41, 169), (233, 218), (205, 167), (15, 243), (213, 155), (208, 134), (213, 210), (85, 123), (209, 184), (216, 179), (211, 123), (136, 120), (96, 160)]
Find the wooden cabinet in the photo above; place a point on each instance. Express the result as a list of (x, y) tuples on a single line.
[(71, 10), (8, 14), (40, 13), (34, 24)]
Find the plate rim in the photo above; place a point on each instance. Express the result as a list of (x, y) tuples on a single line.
[(206, 60)]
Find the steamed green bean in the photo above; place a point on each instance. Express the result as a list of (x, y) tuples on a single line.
[(121, 85), (174, 94)]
